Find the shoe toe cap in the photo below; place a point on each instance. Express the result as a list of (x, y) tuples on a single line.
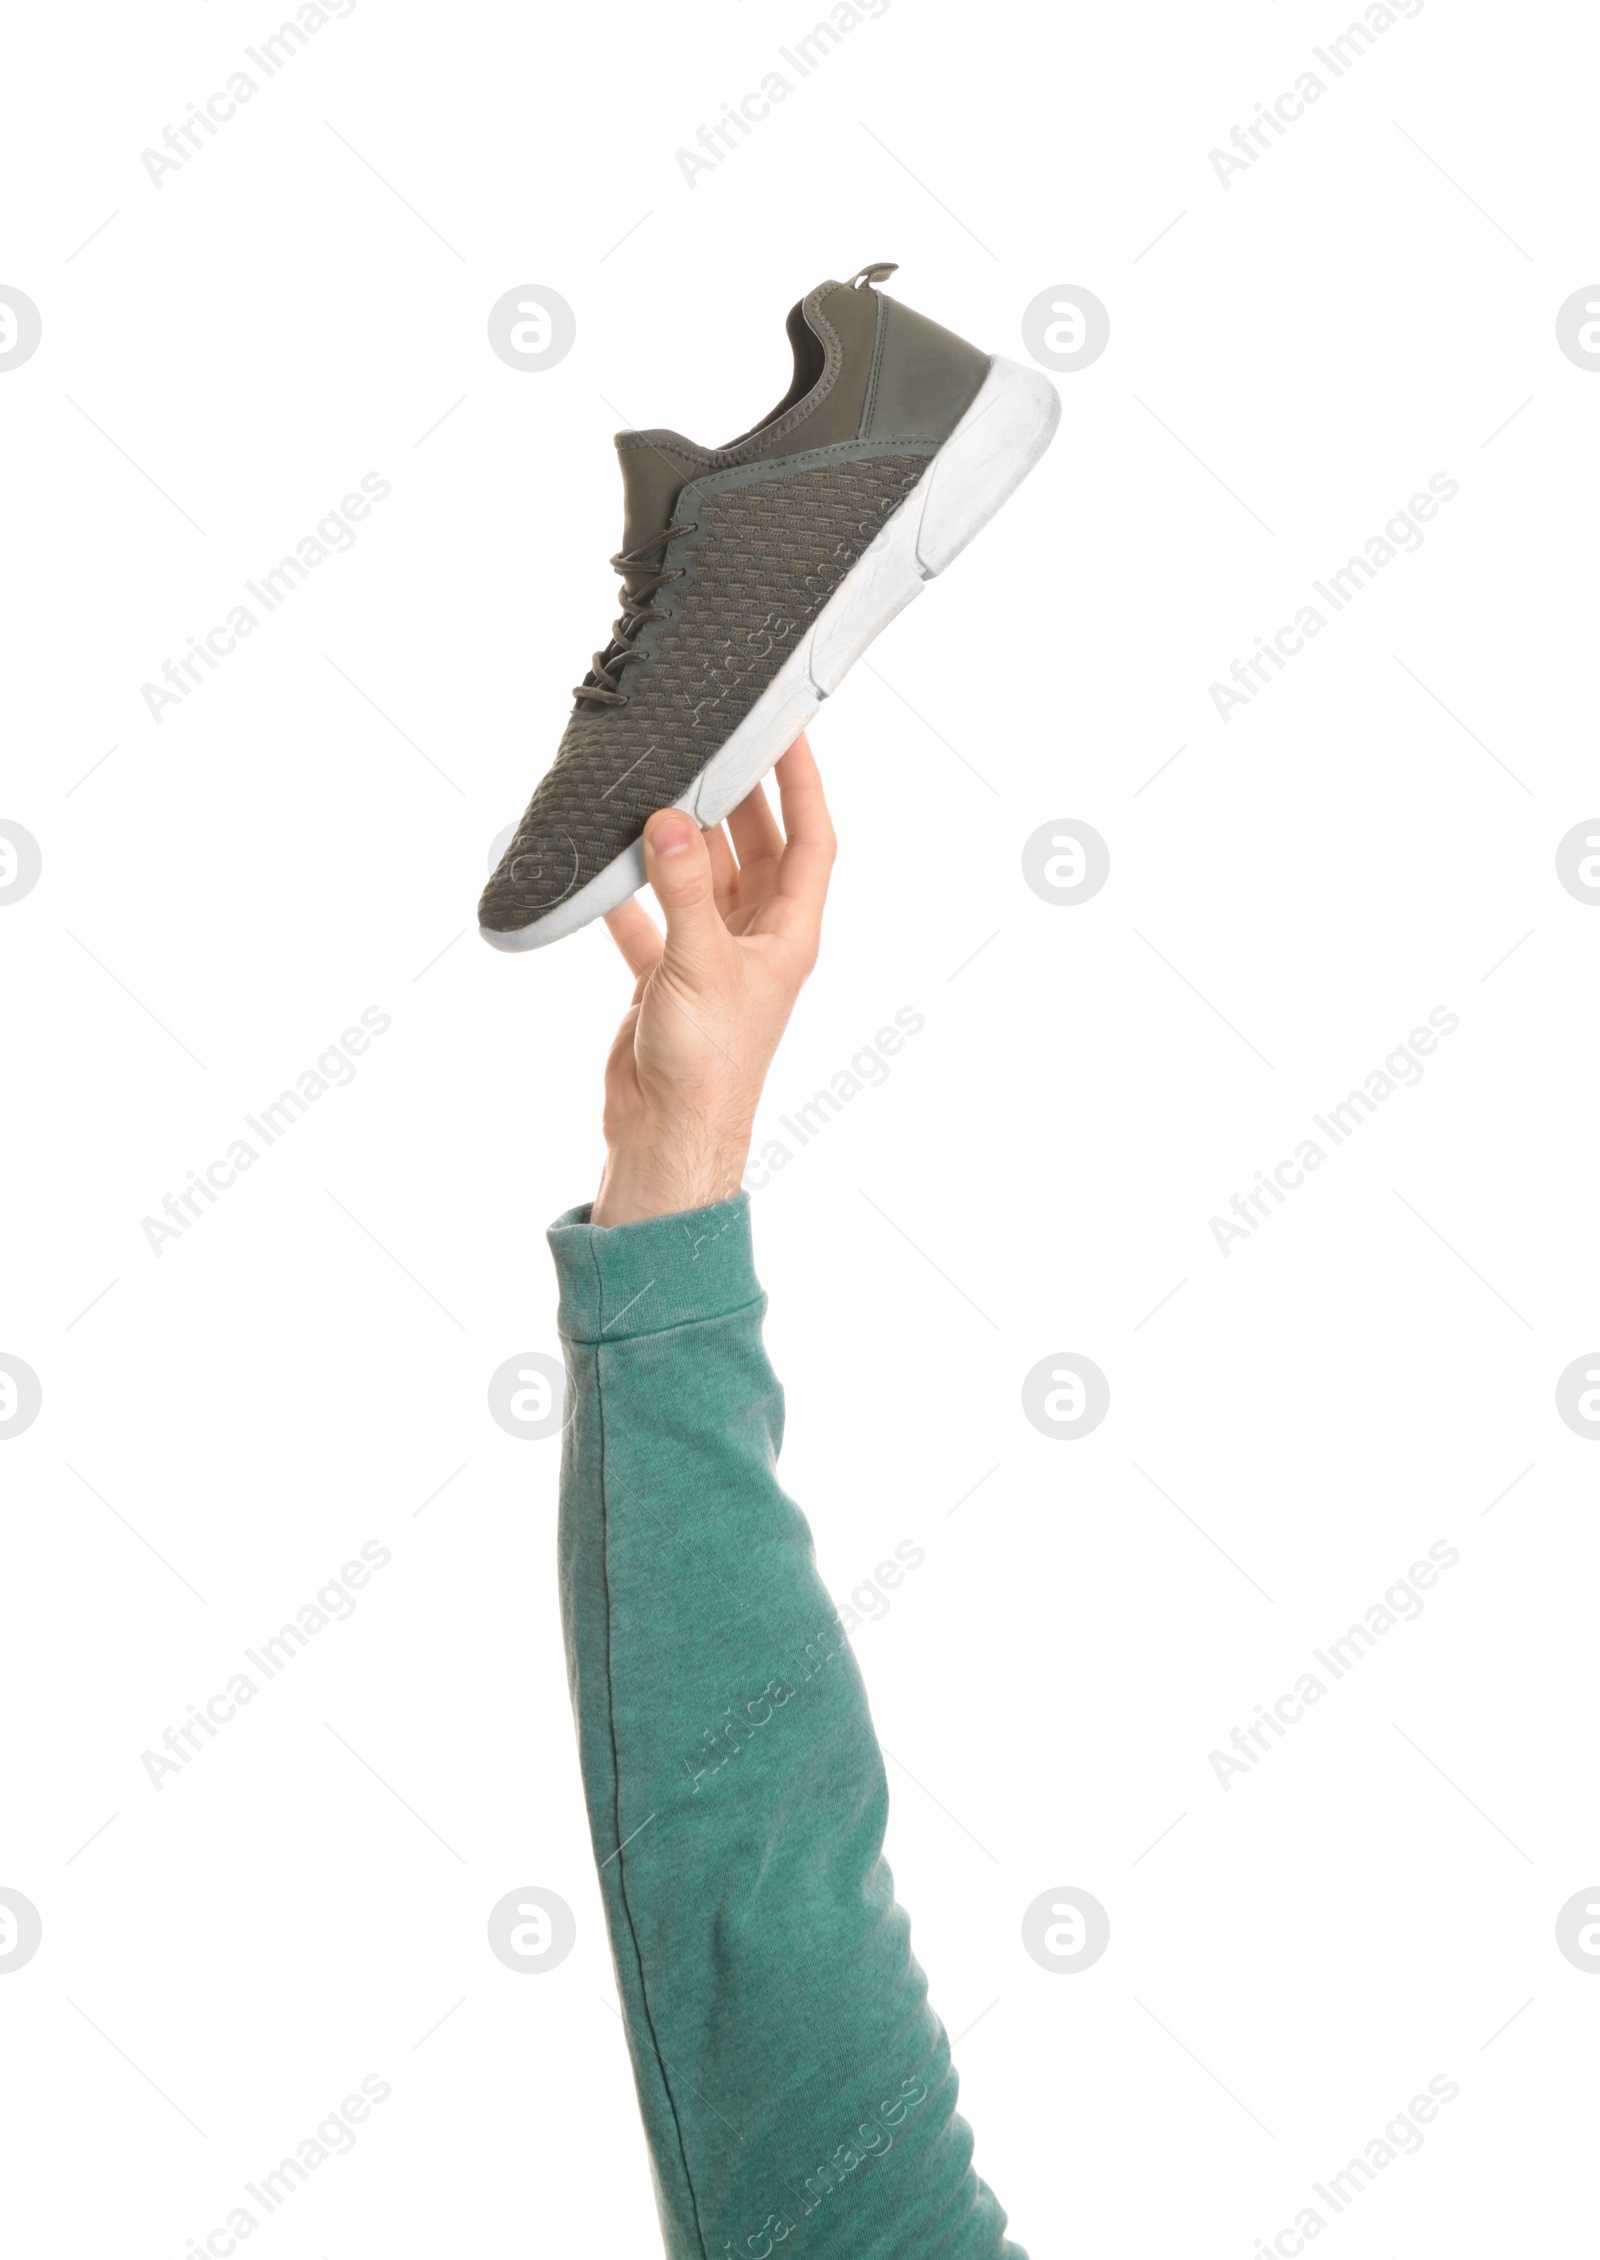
[(538, 871)]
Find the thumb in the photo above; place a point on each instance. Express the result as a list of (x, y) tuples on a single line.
[(677, 864)]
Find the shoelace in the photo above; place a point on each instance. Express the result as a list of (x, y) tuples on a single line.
[(604, 681)]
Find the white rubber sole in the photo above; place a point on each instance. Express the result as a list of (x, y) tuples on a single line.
[(983, 462)]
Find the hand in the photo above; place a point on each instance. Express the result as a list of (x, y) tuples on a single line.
[(743, 908)]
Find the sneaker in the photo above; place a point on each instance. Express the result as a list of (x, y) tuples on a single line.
[(755, 575)]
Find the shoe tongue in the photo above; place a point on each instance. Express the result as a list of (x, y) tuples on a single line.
[(656, 466)]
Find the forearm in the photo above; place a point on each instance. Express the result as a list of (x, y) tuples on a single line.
[(793, 2079)]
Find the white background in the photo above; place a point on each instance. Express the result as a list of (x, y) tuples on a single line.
[(305, 836)]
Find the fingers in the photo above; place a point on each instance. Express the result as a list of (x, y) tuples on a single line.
[(724, 871), (637, 935), (760, 843), (801, 886), (755, 830), (677, 863)]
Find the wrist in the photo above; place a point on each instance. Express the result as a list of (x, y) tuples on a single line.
[(662, 1177)]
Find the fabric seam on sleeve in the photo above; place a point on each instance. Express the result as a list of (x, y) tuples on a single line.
[(603, 1341), (616, 1813)]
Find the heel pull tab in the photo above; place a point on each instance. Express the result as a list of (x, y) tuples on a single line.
[(879, 271)]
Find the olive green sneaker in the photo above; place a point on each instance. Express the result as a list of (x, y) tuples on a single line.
[(755, 575)]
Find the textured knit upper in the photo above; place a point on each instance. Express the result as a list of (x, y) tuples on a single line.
[(767, 555)]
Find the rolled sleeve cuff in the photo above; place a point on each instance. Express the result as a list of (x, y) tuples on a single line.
[(623, 1280)]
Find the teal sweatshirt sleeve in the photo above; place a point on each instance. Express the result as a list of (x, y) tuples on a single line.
[(797, 2090)]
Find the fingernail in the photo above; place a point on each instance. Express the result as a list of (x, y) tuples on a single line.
[(670, 835)]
